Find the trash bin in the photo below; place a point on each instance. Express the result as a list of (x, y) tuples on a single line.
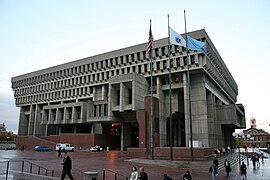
[(90, 175)]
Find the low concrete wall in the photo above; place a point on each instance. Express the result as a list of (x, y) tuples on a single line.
[(183, 153), (7, 146)]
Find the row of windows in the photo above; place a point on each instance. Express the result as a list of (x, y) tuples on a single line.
[(103, 64), (104, 76), (63, 94), (100, 110)]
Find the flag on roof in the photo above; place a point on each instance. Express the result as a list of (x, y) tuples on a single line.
[(194, 44), (150, 41), (176, 38)]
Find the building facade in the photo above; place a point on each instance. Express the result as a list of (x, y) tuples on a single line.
[(107, 96), (258, 137)]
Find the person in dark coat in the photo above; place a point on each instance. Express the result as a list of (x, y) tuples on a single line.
[(215, 162), (59, 152), (166, 177), (243, 170), (67, 166), (143, 174), (213, 171), (187, 176), (227, 166)]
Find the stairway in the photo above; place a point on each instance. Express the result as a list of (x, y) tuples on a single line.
[(233, 158)]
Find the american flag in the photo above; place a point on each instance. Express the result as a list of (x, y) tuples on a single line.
[(150, 41)]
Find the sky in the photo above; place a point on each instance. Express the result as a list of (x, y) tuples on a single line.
[(37, 34)]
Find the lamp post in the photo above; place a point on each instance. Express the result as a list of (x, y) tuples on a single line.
[(252, 146), (245, 137), (238, 135)]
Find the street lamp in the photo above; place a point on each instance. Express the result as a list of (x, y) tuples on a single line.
[(238, 135), (252, 146), (246, 137)]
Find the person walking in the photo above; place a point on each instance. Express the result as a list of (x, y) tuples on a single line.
[(227, 166), (143, 174), (213, 171), (187, 176), (215, 162), (67, 166), (253, 159), (134, 174), (166, 177), (243, 170), (59, 152)]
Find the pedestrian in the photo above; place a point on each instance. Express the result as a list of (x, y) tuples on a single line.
[(187, 176), (253, 159), (22, 149), (227, 166), (243, 170), (143, 174), (258, 160), (166, 177), (134, 174), (224, 151), (59, 152), (215, 162), (262, 156), (67, 166), (213, 171)]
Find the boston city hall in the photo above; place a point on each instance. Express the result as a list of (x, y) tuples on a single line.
[(106, 100)]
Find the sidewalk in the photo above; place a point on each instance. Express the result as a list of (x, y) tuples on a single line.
[(98, 161)]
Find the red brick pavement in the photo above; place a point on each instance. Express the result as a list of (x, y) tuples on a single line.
[(99, 161)]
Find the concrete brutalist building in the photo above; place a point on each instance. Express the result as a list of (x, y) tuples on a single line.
[(105, 99)]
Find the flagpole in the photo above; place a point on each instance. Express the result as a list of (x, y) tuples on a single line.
[(189, 99), (170, 90), (151, 101)]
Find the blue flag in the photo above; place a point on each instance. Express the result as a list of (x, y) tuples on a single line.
[(194, 44)]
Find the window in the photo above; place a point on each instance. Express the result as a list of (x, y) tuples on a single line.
[(118, 97), (129, 96), (156, 124), (105, 110)]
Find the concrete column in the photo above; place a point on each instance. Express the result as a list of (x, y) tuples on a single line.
[(162, 118), (125, 136), (23, 123), (31, 120), (97, 128), (121, 105), (94, 93), (187, 126), (39, 129)]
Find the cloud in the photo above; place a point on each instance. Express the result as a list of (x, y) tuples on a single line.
[(9, 113)]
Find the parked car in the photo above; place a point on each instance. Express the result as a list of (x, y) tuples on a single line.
[(96, 148), (64, 147), (42, 148)]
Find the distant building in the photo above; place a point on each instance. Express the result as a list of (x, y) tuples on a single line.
[(253, 123), (105, 99), (259, 137), (3, 128)]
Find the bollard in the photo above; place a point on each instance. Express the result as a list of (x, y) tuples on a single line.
[(89, 175)]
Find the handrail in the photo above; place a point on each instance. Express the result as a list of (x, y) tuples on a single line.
[(115, 174), (27, 166)]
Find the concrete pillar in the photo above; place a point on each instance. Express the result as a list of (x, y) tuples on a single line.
[(187, 126), (23, 123), (121, 105), (31, 120), (125, 136), (162, 118)]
